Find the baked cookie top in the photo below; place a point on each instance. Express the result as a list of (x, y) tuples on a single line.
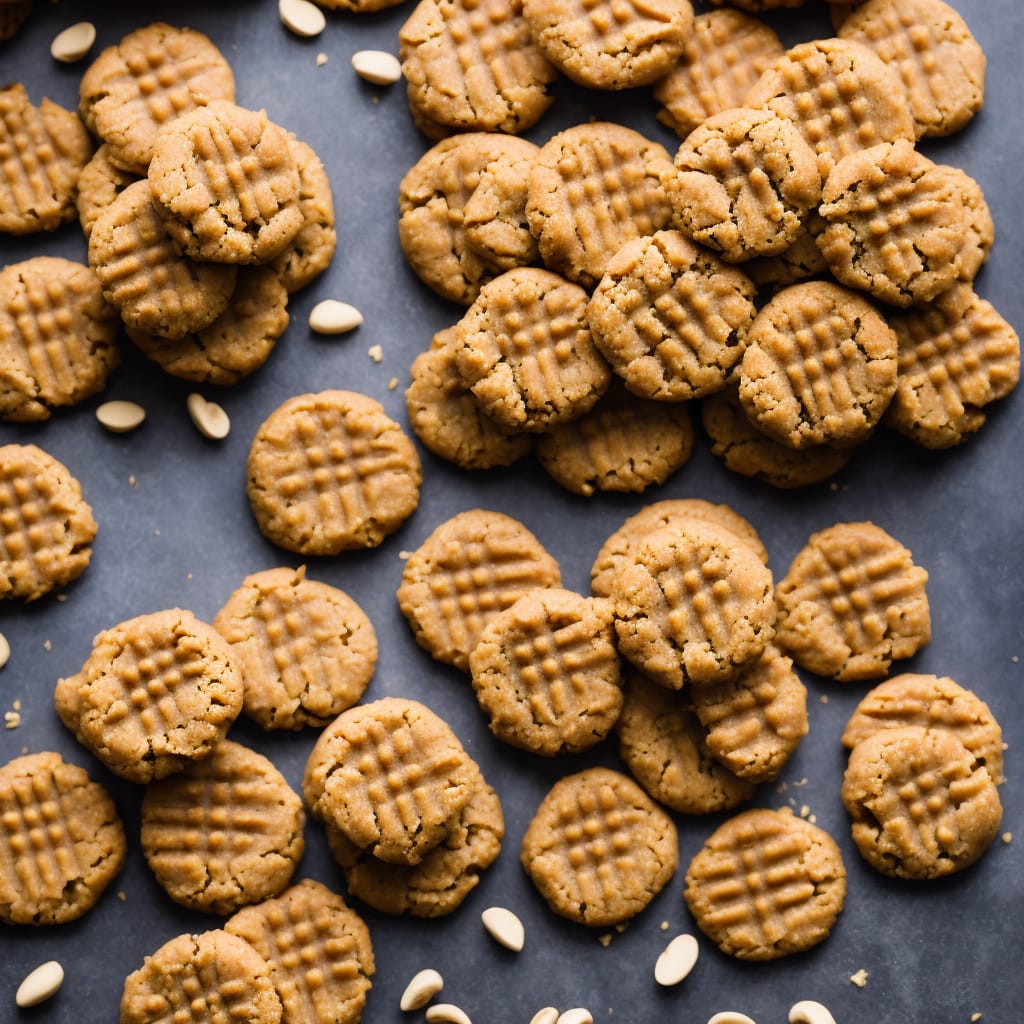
[(99, 184), (980, 232)]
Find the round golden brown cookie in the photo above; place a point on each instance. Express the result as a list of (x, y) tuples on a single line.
[(471, 568), (745, 181), (61, 844), (331, 472), (149, 78), (665, 748), (922, 806), (44, 150), (526, 352), (819, 367), (223, 833), (318, 949), (58, 337), (306, 650), (670, 318), (201, 979), (462, 212), (13, 15), (932, 702), (608, 44), (756, 721), (940, 64), (471, 65), (955, 357), (392, 776), (99, 184), (546, 672), (895, 228), (766, 884), (695, 607), (722, 59), (593, 188), (157, 693), (851, 603), (46, 526), (446, 417), (802, 260), (981, 230), (238, 342), (225, 181), (155, 289)]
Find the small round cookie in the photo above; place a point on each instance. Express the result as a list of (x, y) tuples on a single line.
[(606, 44), (955, 357), (462, 212), (237, 343), (150, 77), (61, 844), (526, 352), (318, 949), (223, 833), (46, 526), (470, 569), (58, 337), (665, 748), (756, 721), (546, 672), (722, 59), (598, 849), (593, 188), (981, 229), (446, 417), (766, 884), (895, 228), (306, 650), (932, 702), (670, 318), (745, 181), (225, 181), (471, 65), (157, 693), (201, 979), (99, 184), (940, 64), (922, 806), (331, 472), (819, 367), (851, 603), (155, 289), (697, 605), (13, 15), (44, 150)]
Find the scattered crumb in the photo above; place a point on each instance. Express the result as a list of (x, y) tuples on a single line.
[(376, 353), (392, 384), (321, 59), (804, 811), (1007, 837), (62, 598), (782, 787), (605, 940), (802, 782), (12, 719), (16, 705), (375, 100), (812, 818), (188, 576), (621, 927), (860, 979), (833, 486), (824, 698), (122, 895), (403, 555), (47, 646), (1015, 659), (24, 750), (975, 1017), (131, 480), (664, 926)]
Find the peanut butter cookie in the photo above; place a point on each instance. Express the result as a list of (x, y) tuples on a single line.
[(99, 184)]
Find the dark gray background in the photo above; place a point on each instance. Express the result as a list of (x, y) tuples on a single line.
[(183, 536)]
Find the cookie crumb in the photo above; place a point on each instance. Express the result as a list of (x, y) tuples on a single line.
[(392, 384), (975, 1017), (321, 59), (62, 598), (622, 926), (16, 705), (605, 940), (47, 645), (122, 895), (824, 698), (804, 811), (664, 926), (812, 818), (376, 353), (403, 555), (12, 719), (1007, 837), (131, 480), (188, 576), (833, 486), (860, 978), (1015, 659)]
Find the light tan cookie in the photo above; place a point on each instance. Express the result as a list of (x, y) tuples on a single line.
[(462, 212), (223, 833), (306, 650), (922, 806), (598, 849), (593, 188), (546, 672), (225, 181), (851, 603), (99, 184), (473, 66), (940, 64), (471, 568), (331, 472), (42, 152), (604, 44), (149, 78), (61, 844), (57, 337), (665, 748), (318, 950), (980, 233), (13, 15), (46, 526), (766, 884), (157, 693), (819, 367), (526, 352)]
